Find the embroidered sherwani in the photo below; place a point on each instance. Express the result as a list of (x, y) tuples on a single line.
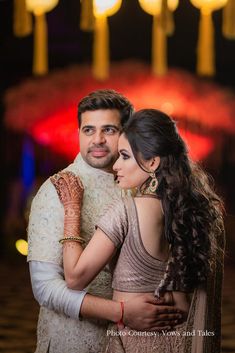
[(59, 327)]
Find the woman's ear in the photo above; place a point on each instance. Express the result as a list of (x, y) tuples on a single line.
[(154, 163)]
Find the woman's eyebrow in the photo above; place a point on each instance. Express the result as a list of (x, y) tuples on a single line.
[(123, 151)]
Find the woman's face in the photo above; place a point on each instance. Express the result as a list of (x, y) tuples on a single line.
[(129, 173)]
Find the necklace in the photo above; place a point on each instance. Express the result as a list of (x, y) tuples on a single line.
[(153, 196)]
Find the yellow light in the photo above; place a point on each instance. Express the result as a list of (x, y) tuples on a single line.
[(209, 5), (41, 6), (205, 46), (153, 7), (22, 246), (106, 7), (40, 57), (102, 9)]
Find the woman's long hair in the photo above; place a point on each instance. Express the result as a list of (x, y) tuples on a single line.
[(193, 212)]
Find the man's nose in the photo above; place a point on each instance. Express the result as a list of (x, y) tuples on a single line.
[(99, 138)]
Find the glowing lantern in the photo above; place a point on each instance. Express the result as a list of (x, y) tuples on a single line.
[(39, 8), (229, 20), (22, 19), (87, 16), (205, 48), (102, 9), (162, 25)]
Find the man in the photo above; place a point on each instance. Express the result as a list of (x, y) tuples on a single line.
[(101, 116)]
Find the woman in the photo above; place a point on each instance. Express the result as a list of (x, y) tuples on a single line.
[(168, 239)]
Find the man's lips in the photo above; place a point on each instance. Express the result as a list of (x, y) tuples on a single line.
[(98, 152)]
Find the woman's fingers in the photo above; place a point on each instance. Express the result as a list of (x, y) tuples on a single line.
[(68, 186)]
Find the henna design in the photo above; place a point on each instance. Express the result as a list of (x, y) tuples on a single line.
[(70, 191)]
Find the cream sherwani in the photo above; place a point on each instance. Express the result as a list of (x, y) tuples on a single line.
[(58, 333)]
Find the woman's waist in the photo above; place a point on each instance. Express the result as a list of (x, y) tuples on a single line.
[(125, 296), (135, 285)]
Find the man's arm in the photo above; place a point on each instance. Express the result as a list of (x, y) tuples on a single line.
[(50, 289), (45, 254), (140, 313)]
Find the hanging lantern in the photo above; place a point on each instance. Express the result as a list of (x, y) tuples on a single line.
[(205, 47), (40, 57), (229, 20), (102, 9), (22, 24), (87, 18), (161, 10)]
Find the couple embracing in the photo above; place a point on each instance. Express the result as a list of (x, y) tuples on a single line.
[(126, 243)]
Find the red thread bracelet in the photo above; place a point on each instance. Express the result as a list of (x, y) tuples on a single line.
[(120, 322)]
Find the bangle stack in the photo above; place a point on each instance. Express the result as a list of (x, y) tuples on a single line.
[(77, 239)]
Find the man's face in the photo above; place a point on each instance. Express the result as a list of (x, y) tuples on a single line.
[(98, 135)]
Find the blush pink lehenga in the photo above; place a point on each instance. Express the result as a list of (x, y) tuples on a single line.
[(137, 271)]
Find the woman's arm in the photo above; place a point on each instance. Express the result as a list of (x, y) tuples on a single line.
[(82, 266)]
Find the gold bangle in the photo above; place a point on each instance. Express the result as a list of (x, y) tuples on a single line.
[(77, 239)]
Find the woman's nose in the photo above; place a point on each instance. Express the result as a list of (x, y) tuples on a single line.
[(115, 166)]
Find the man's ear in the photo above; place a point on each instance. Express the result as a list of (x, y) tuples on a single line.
[(154, 163)]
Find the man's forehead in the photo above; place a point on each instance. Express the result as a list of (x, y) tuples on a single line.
[(101, 118)]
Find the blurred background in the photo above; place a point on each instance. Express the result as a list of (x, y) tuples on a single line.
[(177, 56)]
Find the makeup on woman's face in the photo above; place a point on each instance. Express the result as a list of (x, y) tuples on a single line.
[(129, 173)]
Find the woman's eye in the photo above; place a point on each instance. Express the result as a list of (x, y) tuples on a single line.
[(125, 156)]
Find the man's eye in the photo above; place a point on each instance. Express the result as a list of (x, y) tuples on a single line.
[(110, 131), (88, 131)]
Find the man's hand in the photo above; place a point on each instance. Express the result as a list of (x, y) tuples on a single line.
[(145, 312)]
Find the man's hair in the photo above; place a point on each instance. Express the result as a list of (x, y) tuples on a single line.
[(106, 99)]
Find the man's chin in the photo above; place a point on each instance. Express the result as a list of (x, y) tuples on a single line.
[(103, 163)]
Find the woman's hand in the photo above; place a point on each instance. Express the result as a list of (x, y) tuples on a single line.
[(70, 191), (69, 188)]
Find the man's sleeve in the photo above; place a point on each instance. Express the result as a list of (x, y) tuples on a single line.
[(46, 226), (46, 223), (51, 291)]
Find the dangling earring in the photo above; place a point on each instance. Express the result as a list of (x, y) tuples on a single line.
[(153, 183), (150, 188)]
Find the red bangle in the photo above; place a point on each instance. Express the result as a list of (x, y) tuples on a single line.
[(120, 322)]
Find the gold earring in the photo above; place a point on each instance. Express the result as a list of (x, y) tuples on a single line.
[(153, 183)]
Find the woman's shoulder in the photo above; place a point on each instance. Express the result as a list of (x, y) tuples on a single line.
[(149, 204)]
